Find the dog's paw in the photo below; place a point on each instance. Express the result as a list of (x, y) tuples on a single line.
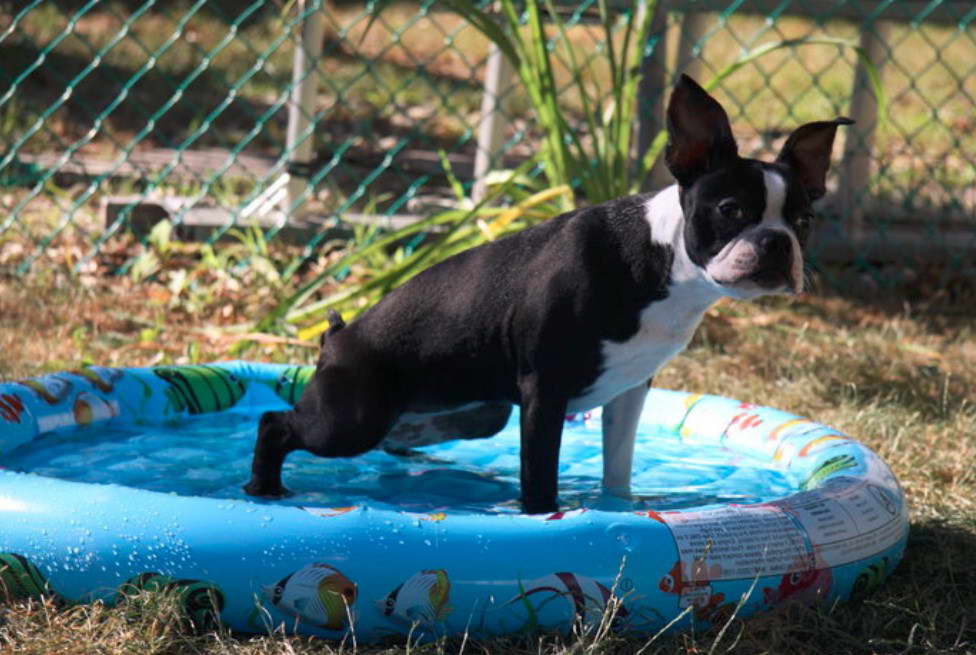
[(539, 506), (264, 491)]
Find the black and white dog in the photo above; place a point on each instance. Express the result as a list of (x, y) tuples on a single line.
[(574, 313)]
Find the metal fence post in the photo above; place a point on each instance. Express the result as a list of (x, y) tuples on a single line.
[(855, 178), (499, 80), (651, 94), (301, 107), (694, 26)]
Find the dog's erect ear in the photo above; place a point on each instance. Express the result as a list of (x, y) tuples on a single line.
[(699, 135), (807, 153)]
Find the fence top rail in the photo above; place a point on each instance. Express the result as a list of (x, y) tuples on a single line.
[(945, 12)]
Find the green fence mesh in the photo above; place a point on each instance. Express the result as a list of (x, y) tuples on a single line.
[(117, 113)]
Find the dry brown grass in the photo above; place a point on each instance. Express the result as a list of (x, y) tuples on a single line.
[(898, 374)]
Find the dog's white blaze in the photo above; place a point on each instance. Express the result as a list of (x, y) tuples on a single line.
[(773, 219), (775, 198), (666, 326)]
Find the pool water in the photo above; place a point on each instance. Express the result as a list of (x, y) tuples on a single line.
[(211, 456)]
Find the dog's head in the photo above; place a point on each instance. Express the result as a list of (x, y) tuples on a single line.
[(746, 221)]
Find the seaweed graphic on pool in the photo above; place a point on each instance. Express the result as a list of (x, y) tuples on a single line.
[(870, 579), (586, 599), (422, 598), (52, 389), (201, 601), (317, 593), (100, 377), (21, 580), (291, 383), (200, 389), (827, 468), (11, 407)]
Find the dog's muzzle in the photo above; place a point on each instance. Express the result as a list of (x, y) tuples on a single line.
[(766, 261)]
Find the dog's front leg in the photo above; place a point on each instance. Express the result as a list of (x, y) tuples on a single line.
[(542, 419), (620, 417)]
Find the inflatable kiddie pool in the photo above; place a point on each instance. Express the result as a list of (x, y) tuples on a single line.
[(116, 480)]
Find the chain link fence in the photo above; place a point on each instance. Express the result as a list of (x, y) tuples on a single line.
[(306, 117)]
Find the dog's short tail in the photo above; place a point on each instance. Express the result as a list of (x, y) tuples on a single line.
[(335, 324)]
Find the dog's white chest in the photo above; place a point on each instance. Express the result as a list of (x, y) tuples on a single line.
[(666, 327)]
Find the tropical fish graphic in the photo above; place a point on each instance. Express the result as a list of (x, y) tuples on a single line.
[(201, 601), (318, 593), (100, 377), (21, 580), (200, 389), (51, 388), (291, 383), (587, 598), (88, 408), (421, 599), (11, 407), (807, 587), (694, 588)]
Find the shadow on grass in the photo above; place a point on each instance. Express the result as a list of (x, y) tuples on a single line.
[(927, 602)]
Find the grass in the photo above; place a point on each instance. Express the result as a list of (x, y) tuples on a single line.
[(895, 370)]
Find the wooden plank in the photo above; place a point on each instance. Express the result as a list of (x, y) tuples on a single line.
[(949, 12), (945, 12), (831, 242)]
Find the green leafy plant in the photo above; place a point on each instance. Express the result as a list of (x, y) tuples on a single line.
[(455, 230), (595, 155)]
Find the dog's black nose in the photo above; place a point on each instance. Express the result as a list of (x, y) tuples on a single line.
[(775, 252), (775, 245)]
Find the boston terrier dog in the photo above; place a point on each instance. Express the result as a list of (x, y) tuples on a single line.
[(577, 312)]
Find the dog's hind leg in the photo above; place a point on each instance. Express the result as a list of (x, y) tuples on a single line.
[(342, 413), (275, 441)]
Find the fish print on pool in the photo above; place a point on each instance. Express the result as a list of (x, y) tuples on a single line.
[(317, 593), (422, 598)]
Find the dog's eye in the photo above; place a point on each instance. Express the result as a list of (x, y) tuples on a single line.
[(729, 208)]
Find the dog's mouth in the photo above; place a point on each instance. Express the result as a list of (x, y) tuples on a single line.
[(747, 273), (773, 280), (763, 281)]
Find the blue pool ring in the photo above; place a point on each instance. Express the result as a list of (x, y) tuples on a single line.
[(835, 530)]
